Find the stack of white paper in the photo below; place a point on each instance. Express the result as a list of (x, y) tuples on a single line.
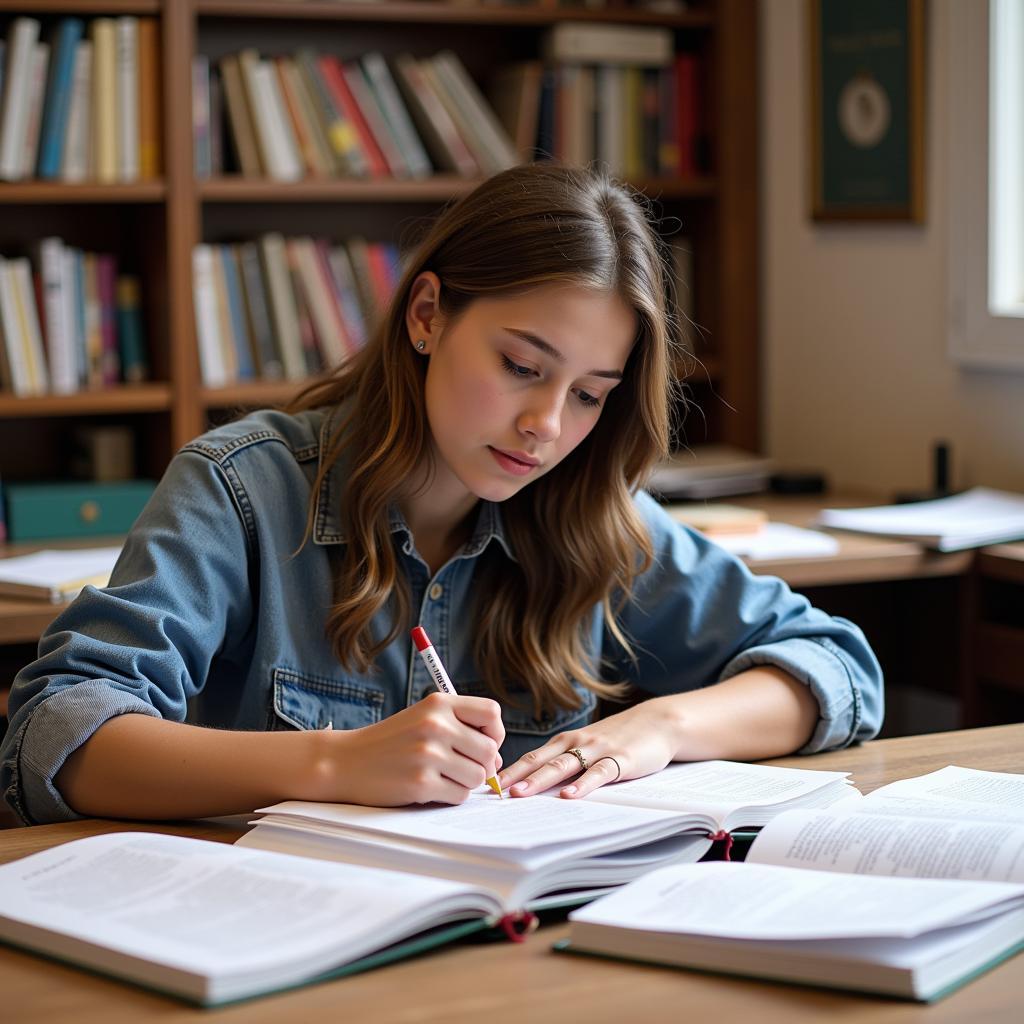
[(968, 520), (779, 540), (56, 575)]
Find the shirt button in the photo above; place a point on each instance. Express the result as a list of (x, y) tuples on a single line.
[(436, 591)]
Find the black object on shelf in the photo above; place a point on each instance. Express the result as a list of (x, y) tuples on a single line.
[(940, 477), (798, 482)]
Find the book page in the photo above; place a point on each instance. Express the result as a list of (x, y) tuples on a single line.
[(211, 908), (916, 807), (485, 822), (718, 787), (869, 844), (759, 901), (956, 785)]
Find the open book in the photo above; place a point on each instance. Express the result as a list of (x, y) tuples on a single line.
[(212, 922), (911, 891), (543, 850)]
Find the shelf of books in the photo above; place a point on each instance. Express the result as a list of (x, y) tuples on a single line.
[(206, 202), (674, 13)]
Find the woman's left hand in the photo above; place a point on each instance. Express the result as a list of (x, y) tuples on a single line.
[(635, 742)]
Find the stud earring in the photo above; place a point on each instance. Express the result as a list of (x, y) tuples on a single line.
[(420, 345)]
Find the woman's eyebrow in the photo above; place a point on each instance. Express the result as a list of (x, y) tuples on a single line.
[(549, 350)]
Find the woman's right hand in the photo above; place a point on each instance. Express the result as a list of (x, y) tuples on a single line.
[(436, 751)]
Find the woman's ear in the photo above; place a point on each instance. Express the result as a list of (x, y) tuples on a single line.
[(422, 313)]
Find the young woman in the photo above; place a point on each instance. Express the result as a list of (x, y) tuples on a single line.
[(477, 470)]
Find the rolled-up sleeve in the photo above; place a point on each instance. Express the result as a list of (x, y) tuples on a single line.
[(142, 645), (699, 616)]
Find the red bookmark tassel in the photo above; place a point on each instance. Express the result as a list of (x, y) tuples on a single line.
[(517, 926), (726, 838)]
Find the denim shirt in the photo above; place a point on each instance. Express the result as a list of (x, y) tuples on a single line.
[(215, 614)]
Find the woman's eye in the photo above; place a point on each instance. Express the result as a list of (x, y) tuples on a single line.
[(514, 368), (587, 399)]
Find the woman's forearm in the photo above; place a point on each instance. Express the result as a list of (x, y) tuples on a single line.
[(136, 766), (760, 713)]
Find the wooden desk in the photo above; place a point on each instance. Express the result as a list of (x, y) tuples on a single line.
[(994, 676), (21, 621), (498, 982), (861, 557)]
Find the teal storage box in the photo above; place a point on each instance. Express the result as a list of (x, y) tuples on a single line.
[(81, 509)]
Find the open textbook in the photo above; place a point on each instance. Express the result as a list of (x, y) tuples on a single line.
[(212, 922), (543, 849), (911, 891)]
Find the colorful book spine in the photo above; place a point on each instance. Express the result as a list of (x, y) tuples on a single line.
[(687, 68), (130, 335), (370, 158), (34, 115), (150, 146), (104, 99), (77, 155), (204, 298), (57, 108), (245, 367), (303, 125), (369, 105), (379, 75), (283, 312), (59, 341), (127, 57), (76, 259), (70, 259), (268, 359), (30, 331), (201, 127), (456, 79), (22, 38), (106, 284), (225, 331), (312, 353), (447, 149), (348, 295), (16, 366), (337, 130)]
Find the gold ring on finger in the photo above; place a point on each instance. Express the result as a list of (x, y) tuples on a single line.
[(578, 754)]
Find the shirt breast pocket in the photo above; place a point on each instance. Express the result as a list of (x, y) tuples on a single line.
[(306, 701)]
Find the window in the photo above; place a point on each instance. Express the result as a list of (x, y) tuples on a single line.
[(987, 183)]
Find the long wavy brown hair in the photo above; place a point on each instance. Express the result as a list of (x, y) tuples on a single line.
[(577, 537)]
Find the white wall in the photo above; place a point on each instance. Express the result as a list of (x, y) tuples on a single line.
[(857, 381)]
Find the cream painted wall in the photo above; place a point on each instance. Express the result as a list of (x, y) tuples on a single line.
[(857, 380)]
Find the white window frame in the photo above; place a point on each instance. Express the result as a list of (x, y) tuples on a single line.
[(986, 320)]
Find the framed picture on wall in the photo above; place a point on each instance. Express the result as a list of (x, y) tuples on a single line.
[(867, 109)]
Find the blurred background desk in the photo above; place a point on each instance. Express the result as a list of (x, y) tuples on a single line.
[(947, 628)]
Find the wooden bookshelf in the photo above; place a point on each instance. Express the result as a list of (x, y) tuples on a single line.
[(86, 8), (444, 13), (159, 223), (50, 192), (249, 394), (128, 398)]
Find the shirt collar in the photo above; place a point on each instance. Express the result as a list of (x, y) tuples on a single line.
[(327, 521)]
